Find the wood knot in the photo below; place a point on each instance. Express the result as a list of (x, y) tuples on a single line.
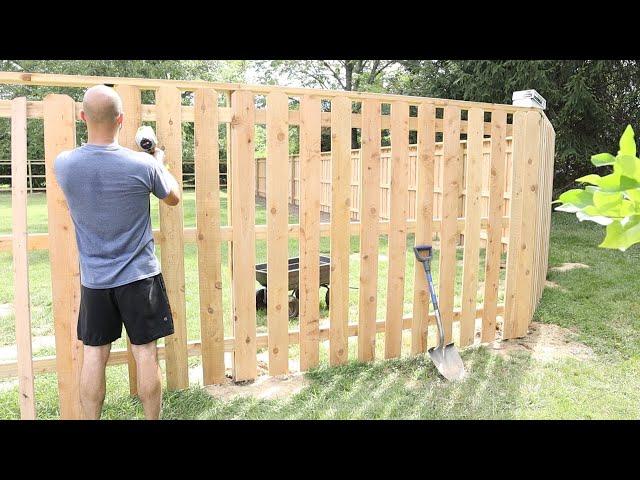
[(373, 210), (170, 122), (278, 307), (218, 285), (280, 136), (275, 350), (210, 310), (247, 340), (200, 236), (372, 298), (274, 210)]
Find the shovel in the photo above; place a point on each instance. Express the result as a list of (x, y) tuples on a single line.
[(445, 357)]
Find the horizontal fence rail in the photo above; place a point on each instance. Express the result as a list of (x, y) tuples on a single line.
[(478, 190)]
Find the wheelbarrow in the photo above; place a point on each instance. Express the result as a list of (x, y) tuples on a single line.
[(294, 282)]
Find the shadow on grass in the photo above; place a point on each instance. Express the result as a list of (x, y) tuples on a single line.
[(395, 389)]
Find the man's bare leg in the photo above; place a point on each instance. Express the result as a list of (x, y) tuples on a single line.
[(92, 380), (149, 378)]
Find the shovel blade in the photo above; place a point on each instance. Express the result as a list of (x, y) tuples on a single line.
[(448, 362)]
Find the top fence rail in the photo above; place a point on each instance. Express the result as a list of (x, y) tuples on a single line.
[(80, 81)]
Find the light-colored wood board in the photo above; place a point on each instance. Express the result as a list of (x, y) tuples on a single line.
[(169, 134), (31, 78), (60, 135), (277, 238), (310, 172), (452, 165), (245, 365), (424, 222), (132, 108), (340, 238), (207, 182), (494, 227), (369, 238), (397, 228), (515, 225), (9, 369), (21, 302), (473, 183)]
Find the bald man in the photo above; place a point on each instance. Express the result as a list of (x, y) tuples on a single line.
[(107, 188)]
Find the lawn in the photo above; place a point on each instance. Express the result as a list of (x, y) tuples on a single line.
[(598, 304)]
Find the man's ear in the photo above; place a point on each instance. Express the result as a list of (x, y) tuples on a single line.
[(120, 119), (83, 117)]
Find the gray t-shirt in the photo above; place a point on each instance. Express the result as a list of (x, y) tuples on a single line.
[(107, 189)]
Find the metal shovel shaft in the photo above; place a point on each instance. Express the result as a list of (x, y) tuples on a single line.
[(446, 358)]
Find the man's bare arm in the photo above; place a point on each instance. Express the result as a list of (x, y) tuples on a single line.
[(174, 195)]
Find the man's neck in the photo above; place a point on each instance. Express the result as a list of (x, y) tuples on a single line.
[(101, 138)]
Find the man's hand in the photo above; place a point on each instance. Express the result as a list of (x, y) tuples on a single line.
[(158, 154)]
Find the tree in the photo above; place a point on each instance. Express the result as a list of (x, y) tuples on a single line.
[(587, 100), (221, 71), (350, 75), (612, 200)]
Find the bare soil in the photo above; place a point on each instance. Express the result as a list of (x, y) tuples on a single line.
[(545, 342), (565, 267)]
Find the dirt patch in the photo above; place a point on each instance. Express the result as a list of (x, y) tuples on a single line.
[(6, 310), (545, 342), (550, 284), (263, 388), (565, 267)]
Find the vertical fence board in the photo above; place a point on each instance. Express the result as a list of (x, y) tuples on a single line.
[(494, 229), (310, 174), (515, 224), (132, 109), (424, 221), (60, 135), (369, 238), (277, 237), (397, 227), (169, 128), (451, 167), (244, 248), (340, 237), (472, 206), (524, 306), (207, 182), (21, 257)]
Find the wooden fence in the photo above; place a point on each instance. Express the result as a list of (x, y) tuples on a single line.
[(472, 191)]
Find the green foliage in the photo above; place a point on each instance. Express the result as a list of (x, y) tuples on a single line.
[(612, 200), (587, 100), (221, 71)]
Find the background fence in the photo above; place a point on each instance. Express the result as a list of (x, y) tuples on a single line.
[(483, 175)]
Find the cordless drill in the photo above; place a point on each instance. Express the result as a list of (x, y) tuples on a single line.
[(146, 139)]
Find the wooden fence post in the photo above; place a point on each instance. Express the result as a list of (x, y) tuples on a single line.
[(397, 227), (310, 173), (207, 182), (515, 224), (21, 257), (369, 236), (451, 168), (277, 228), (60, 135), (425, 157), (473, 185), (244, 249), (340, 237), (169, 127), (493, 249), (132, 109)]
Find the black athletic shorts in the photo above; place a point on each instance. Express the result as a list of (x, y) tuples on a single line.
[(143, 307)]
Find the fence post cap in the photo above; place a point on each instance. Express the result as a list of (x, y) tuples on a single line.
[(529, 98)]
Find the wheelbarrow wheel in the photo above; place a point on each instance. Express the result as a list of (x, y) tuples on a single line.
[(261, 298), (294, 307), (326, 297)]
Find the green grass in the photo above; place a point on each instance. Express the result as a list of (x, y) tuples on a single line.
[(598, 304)]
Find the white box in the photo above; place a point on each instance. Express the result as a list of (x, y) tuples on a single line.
[(528, 98)]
